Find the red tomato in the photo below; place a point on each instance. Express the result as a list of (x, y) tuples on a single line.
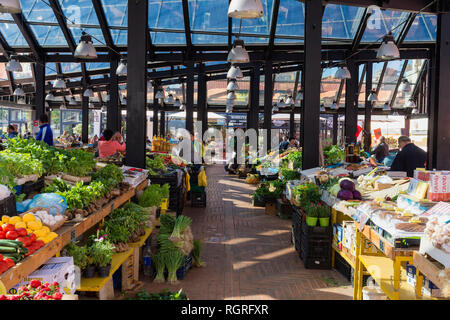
[(3, 266), (40, 243), (9, 262), (25, 240), (32, 236), (12, 235), (8, 227), (2, 234), (1, 257), (22, 232)]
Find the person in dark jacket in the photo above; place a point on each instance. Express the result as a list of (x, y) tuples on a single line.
[(45, 132), (12, 132), (409, 158), (381, 151)]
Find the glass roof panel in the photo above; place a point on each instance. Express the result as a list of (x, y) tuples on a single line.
[(166, 14), (50, 68), (37, 11), (383, 21), (341, 22), (120, 37), (291, 20), (390, 80), (330, 87), (95, 33), (79, 11), (70, 67), (208, 15), (256, 26), (168, 37), (412, 73), (5, 16), (13, 35), (423, 28), (116, 12), (97, 65), (26, 72), (49, 35)]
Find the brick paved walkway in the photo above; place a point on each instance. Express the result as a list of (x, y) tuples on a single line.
[(248, 254)]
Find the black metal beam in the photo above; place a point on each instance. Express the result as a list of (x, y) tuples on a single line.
[(399, 81), (162, 125), (380, 80), (368, 108), (438, 140), (273, 28), (113, 115), (98, 7), (155, 110), (39, 100), (187, 27), (202, 100), (335, 128), (190, 98), (253, 115), (360, 32), (5, 49), (85, 116), (361, 79), (137, 84), (312, 77), (24, 28), (292, 115), (419, 79), (410, 5), (268, 99), (62, 24), (351, 103)]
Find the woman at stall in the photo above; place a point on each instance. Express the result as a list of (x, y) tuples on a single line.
[(112, 144)]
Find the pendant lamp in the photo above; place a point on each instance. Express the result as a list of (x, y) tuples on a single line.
[(49, 97), (231, 96), (322, 108), (410, 104), (388, 49), (245, 9), (170, 99), (372, 96), (288, 101), (13, 65), (72, 101), (88, 93), (85, 49), (281, 103), (122, 68), (386, 106), (334, 106), (238, 54), (19, 91), (159, 94), (59, 83), (404, 86), (234, 73), (232, 86), (342, 73), (10, 6), (177, 103)]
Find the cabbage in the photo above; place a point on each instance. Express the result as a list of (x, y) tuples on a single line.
[(357, 195), (335, 189), (347, 185), (345, 195)]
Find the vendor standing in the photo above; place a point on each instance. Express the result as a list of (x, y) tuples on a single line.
[(112, 144), (381, 151), (45, 132), (409, 158)]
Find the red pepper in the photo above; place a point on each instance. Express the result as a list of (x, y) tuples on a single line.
[(3, 297), (11, 235), (57, 296), (2, 234), (8, 227), (32, 236), (22, 232), (10, 262)]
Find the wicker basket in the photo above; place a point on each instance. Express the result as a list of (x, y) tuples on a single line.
[(51, 227)]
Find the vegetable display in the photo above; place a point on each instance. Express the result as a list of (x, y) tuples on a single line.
[(153, 195), (333, 154), (20, 165), (36, 290), (196, 253), (173, 260)]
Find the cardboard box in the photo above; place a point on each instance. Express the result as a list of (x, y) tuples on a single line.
[(337, 236), (59, 270)]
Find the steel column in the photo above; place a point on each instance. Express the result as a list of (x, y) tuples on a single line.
[(155, 111), (253, 114), (310, 118), (202, 101), (440, 96), (268, 99), (368, 108), (335, 128), (351, 103), (162, 125), (84, 116), (190, 98), (39, 71), (137, 83), (113, 114)]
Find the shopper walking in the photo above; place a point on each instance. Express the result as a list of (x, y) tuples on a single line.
[(45, 132)]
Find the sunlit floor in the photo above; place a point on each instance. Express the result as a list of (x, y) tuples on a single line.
[(248, 255)]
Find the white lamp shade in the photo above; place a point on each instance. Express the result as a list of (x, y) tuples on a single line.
[(238, 54), (122, 68), (13, 65), (386, 106), (245, 9), (410, 104), (62, 107), (85, 49), (288, 101), (372, 97), (10, 6), (415, 111), (231, 96), (49, 97), (59, 84), (170, 99), (299, 96), (21, 100), (19, 92), (177, 103), (229, 109), (388, 49), (182, 107), (73, 101), (342, 73), (88, 93), (103, 109), (234, 73), (404, 86), (232, 86), (159, 94)]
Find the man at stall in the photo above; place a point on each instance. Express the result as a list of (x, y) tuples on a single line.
[(112, 144), (381, 151), (409, 158), (45, 132), (12, 132)]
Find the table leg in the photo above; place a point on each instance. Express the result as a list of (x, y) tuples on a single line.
[(397, 275), (419, 284)]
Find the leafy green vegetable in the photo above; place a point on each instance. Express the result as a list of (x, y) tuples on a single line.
[(20, 165), (110, 174), (80, 163), (181, 223), (160, 265), (296, 158), (288, 174), (196, 253), (153, 195), (333, 154), (173, 260)]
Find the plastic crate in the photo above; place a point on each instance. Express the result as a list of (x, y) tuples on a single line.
[(317, 232), (317, 263), (315, 248), (198, 199), (187, 264), (8, 206), (197, 189)]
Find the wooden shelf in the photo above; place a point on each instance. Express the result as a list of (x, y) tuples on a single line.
[(430, 269), (142, 240), (66, 233), (382, 270), (96, 284)]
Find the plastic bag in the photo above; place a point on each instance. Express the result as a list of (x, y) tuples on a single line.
[(4, 192), (23, 206), (202, 179), (55, 203)]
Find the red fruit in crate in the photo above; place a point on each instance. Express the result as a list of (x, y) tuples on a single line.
[(32, 236), (57, 296), (35, 283), (13, 298), (23, 289), (9, 262), (3, 297), (8, 227), (2, 234), (40, 243), (11, 235), (22, 232)]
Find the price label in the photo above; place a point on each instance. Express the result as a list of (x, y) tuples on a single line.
[(363, 220), (73, 235)]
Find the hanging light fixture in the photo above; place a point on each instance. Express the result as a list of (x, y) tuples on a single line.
[(19, 91), (177, 103), (104, 109), (59, 83), (395, 113), (10, 6), (85, 49), (322, 108), (238, 54), (170, 99), (342, 73), (386, 107), (234, 73), (299, 96), (334, 106), (122, 68), (245, 9), (288, 101), (123, 100), (90, 105), (410, 104), (232, 86), (88, 93), (229, 109), (388, 49), (372, 96), (404, 86), (107, 98), (72, 101), (159, 94), (21, 100), (230, 103), (231, 96), (415, 111), (46, 104), (182, 107), (13, 65), (49, 97), (62, 107)]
